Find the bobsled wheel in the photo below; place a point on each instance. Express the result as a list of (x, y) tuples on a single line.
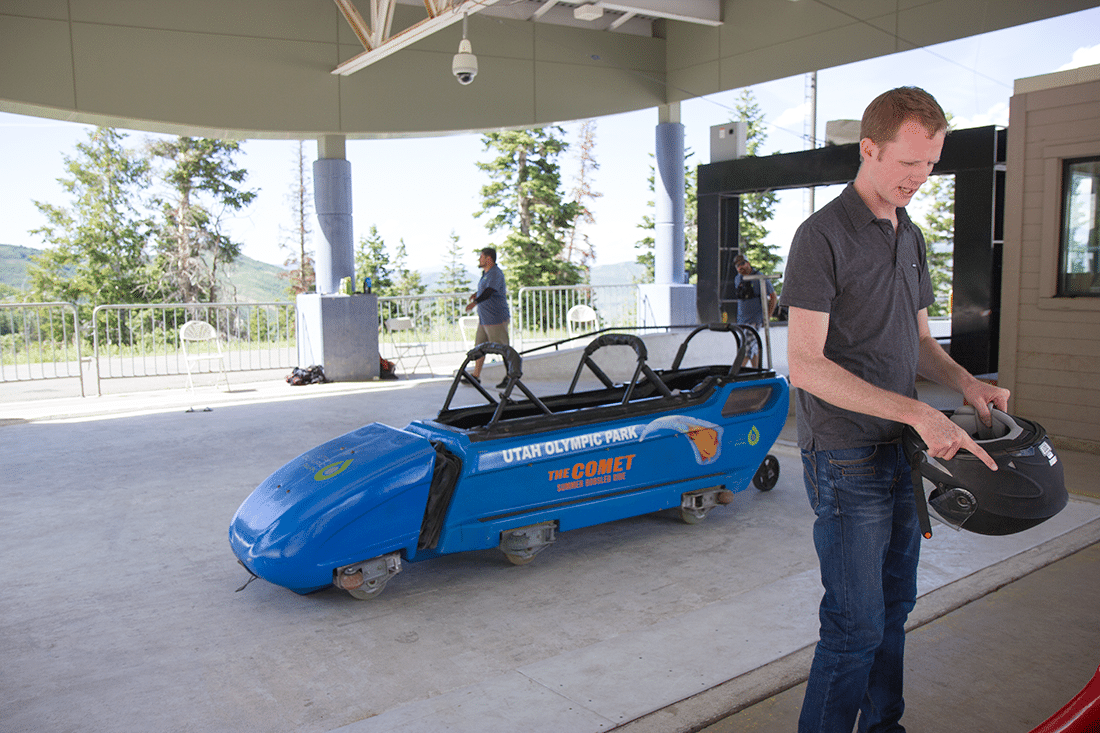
[(520, 560), (767, 476), (688, 516), (366, 595)]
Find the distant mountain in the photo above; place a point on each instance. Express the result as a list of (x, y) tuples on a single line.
[(618, 273), (254, 281), (13, 265), (257, 282), (250, 280)]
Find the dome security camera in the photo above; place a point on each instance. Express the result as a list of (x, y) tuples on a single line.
[(464, 66)]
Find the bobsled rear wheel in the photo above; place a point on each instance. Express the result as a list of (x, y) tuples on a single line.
[(367, 594), (767, 476)]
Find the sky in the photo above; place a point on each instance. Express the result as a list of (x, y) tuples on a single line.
[(422, 204)]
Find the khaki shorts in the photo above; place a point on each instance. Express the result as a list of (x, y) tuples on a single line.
[(497, 333)]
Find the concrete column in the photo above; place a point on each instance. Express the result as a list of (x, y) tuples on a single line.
[(334, 242), (668, 184), (669, 301)]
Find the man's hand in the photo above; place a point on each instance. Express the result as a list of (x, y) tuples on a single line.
[(944, 438), (981, 394)]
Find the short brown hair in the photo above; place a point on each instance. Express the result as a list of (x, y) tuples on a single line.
[(888, 111)]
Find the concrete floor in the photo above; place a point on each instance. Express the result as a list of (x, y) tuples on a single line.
[(1004, 662), (120, 611)]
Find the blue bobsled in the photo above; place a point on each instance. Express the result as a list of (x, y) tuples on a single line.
[(515, 472)]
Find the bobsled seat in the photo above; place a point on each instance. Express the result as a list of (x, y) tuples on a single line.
[(648, 391), (201, 344)]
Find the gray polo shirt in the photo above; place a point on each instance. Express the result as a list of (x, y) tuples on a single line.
[(494, 309), (845, 262)]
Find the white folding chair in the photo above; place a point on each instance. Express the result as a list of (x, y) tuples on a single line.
[(579, 314), (468, 326), (399, 329), (201, 344)]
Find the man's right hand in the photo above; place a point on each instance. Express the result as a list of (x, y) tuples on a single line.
[(944, 438)]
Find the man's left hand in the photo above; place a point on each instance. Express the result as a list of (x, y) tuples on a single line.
[(982, 394)]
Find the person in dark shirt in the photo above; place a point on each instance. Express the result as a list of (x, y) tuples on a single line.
[(858, 290), (491, 301), (749, 310)]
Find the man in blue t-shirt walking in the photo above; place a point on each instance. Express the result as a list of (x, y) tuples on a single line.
[(749, 310), (491, 300)]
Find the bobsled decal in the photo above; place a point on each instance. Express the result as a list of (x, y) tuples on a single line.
[(332, 469), (558, 447), (592, 473), (705, 437)]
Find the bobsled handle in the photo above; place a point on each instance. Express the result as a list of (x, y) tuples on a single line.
[(607, 339), (618, 339), (740, 332), (513, 362)]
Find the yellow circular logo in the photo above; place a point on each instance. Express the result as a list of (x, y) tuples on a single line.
[(754, 436), (331, 470)]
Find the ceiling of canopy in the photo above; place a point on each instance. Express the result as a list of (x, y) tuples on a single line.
[(383, 68)]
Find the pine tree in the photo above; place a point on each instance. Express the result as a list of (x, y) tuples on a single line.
[(455, 277), (691, 224), (938, 226), (202, 182), (579, 248), (98, 243), (300, 266), (526, 203), (757, 209), (371, 261), (405, 281)]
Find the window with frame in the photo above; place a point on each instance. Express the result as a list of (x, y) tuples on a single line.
[(1080, 246)]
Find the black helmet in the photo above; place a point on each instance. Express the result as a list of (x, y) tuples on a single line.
[(1027, 488)]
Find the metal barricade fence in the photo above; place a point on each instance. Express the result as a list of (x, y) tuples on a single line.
[(143, 340), (436, 323), (543, 314), (40, 341), (539, 315), (51, 341)]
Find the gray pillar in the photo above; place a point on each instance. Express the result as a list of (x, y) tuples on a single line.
[(669, 300), (334, 243), (668, 184)]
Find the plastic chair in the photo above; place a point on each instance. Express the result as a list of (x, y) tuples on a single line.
[(404, 350), (581, 314), (468, 326), (201, 343)]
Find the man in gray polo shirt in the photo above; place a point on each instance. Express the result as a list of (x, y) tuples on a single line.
[(858, 290), (491, 301)]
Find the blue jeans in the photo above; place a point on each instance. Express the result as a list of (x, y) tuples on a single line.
[(868, 543)]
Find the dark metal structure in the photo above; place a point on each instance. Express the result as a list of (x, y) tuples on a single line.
[(975, 156)]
